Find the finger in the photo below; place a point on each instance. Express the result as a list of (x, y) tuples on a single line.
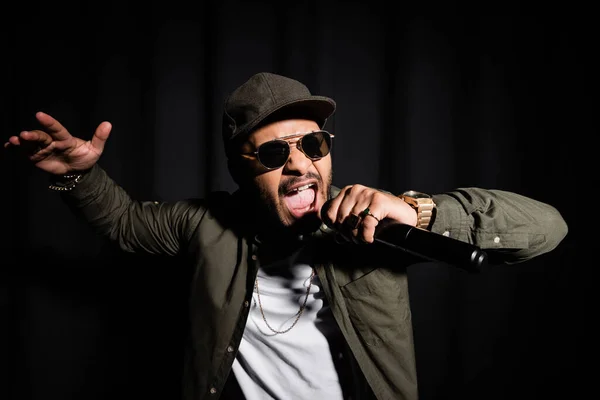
[(354, 223), (53, 127), (367, 205), (343, 203), (36, 137), (371, 202), (367, 228), (33, 143), (101, 135), (13, 141), (351, 222), (331, 208), (355, 200)]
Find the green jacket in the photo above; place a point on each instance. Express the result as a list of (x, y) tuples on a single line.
[(366, 285)]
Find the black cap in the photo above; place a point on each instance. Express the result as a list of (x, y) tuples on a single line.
[(269, 97)]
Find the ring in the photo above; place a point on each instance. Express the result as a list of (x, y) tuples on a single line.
[(367, 212)]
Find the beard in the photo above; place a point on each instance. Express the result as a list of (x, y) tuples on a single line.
[(270, 209)]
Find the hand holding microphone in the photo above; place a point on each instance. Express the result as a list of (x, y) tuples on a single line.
[(357, 210), (365, 215)]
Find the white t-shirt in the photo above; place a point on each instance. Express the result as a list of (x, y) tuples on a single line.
[(297, 364)]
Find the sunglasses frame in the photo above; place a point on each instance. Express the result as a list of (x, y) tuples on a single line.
[(290, 140)]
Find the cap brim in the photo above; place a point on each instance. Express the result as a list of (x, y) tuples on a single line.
[(316, 108)]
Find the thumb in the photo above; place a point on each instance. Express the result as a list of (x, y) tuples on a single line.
[(101, 135)]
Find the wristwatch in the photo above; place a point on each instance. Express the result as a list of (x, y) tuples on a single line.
[(423, 204)]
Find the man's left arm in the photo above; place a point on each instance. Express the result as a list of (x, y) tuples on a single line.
[(511, 225)]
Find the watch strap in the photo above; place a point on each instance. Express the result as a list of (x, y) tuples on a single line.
[(422, 204)]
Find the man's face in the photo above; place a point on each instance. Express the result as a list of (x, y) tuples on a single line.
[(291, 196)]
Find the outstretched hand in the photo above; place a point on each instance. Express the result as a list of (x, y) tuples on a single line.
[(53, 149)]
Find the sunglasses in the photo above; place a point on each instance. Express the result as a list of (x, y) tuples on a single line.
[(275, 153)]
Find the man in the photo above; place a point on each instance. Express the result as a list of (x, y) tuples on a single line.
[(283, 305)]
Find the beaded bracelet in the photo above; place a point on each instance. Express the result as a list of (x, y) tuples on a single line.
[(66, 183)]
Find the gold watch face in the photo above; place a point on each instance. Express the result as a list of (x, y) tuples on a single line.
[(416, 195)]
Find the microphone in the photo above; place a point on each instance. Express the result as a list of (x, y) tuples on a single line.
[(431, 246), (425, 244)]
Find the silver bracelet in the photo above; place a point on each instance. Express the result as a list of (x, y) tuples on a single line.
[(66, 184)]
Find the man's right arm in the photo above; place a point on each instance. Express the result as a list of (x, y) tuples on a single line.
[(136, 226), (150, 227)]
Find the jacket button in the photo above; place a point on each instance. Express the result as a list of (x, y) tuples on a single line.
[(213, 390), (230, 349), (246, 303), (254, 257)]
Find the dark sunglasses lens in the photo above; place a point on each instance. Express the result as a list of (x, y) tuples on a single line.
[(316, 145), (274, 154)]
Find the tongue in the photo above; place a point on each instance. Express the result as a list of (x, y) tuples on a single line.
[(300, 200)]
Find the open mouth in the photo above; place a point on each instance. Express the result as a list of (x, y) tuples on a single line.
[(301, 200)]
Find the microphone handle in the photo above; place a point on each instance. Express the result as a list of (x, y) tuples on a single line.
[(431, 246)]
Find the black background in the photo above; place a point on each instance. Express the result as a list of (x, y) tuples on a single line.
[(428, 99)]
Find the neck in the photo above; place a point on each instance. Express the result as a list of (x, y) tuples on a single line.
[(276, 247)]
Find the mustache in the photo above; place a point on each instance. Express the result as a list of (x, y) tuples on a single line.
[(286, 186)]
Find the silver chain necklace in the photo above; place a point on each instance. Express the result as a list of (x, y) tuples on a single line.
[(298, 314)]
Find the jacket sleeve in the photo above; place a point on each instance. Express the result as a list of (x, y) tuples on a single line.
[(513, 227), (136, 226)]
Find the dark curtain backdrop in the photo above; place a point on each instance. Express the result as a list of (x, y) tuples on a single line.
[(428, 99)]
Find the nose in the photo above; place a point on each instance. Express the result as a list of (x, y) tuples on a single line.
[(297, 163)]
